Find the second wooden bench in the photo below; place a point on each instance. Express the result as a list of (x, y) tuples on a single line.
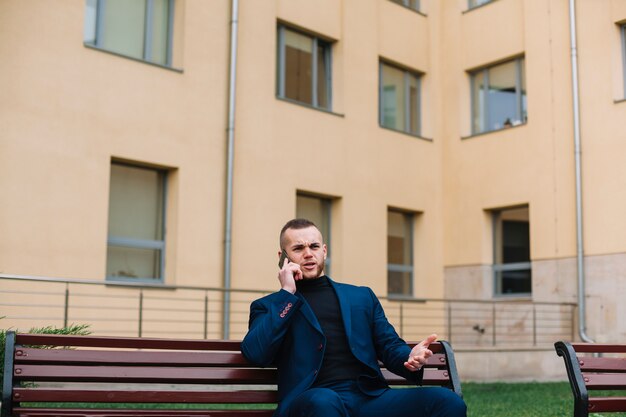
[(589, 373)]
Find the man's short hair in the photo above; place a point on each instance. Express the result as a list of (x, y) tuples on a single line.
[(295, 224)]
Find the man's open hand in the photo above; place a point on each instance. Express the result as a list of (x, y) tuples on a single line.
[(419, 354)]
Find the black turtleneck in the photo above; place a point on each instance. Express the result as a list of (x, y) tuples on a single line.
[(339, 364)]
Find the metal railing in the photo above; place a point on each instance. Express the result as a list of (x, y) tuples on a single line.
[(155, 310)]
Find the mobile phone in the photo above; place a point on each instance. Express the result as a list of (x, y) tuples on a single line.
[(283, 256)]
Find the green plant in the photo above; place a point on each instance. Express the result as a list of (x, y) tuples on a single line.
[(75, 329)]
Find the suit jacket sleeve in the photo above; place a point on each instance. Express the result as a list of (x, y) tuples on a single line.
[(390, 348), (270, 318)]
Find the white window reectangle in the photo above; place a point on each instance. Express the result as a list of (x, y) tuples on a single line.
[(140, 29), (400, 266), (399, 99), (498, 96), (304, 68), (411, 4), (136, 230), (318, 210)]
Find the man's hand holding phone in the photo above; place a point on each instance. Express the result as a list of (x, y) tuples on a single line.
[(289, 273)]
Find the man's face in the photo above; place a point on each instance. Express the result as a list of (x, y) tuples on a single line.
[(306, 248)]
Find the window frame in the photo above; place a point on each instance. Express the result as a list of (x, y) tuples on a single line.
[(135, 243), (408, 217), (497, 268), (623, 36), (471, 6), (281, 69), (407, 4), (147, 34), (407, 74), (521, 113), (327, 204)]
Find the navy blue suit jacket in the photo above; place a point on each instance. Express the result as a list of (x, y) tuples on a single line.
[(284, 332)]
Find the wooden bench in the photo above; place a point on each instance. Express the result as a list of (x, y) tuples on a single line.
[(92, 371), (592, 373)]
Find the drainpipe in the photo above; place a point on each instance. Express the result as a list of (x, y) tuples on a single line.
[(229, 167), (582, 309)]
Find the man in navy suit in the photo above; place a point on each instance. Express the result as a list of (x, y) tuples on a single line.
[(326, 338)]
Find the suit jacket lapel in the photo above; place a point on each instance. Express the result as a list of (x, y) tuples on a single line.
[(344, 304)]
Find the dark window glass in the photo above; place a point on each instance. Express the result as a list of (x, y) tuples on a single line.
[(512, 265)]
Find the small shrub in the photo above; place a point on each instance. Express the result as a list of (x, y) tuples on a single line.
[(75, 329)]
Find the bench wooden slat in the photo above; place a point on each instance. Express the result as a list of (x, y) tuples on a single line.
[(591, 364), (65, 412), (607, 404), (431, 377), (127, 342), (143, 374), (598, 348), (435, 347), (195, 375), (596, 381), (438, 360), (143, 396), (181, 358)]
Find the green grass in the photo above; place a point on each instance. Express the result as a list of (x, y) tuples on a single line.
[(529, 399)]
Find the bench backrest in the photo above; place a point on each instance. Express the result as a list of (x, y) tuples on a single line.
[(588, 372), (92, 369)]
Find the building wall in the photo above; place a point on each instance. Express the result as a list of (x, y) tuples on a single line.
[(284, 147), (68, 110), (533, 164)]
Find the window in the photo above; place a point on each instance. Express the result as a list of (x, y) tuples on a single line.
[(399, 253), (136, 243), (399, 99), (498, 96), (317, 209), (511, 265), (304, 73), (476, 3), (139, 29), (411, 4)]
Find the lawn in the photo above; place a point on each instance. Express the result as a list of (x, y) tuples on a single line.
[(531, 399)]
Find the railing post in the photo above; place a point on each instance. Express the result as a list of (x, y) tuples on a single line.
[(206, 314), (572, 321), (67, 303), (493, 323), (140, 311), (449, 322), (534, 325), (402, 319)]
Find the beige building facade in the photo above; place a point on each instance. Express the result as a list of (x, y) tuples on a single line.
[(433, 141)]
